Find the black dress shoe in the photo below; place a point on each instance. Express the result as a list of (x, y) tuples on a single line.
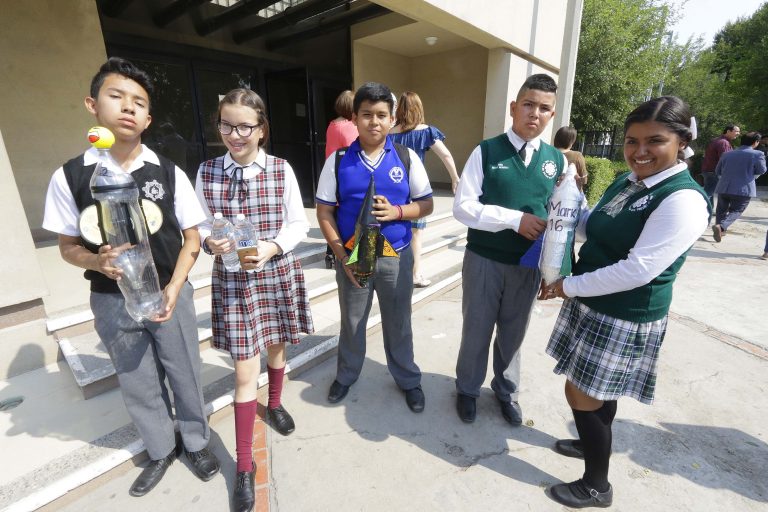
[(204, 464), (281, 420), (244, 496), (466, 407), (579, 495), (151, 475), (414, 397), (570, 448), (511, 412), (337, 392)]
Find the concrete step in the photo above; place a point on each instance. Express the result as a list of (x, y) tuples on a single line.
[(93, 370), (87, 439)]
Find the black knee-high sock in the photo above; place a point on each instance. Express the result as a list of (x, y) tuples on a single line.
[(594, 429)]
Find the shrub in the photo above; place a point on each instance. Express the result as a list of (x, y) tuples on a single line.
[(601, 174)]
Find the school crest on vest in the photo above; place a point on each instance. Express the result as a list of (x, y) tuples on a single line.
[(549, 168), (396, 174), (641, 204), (153, 190)]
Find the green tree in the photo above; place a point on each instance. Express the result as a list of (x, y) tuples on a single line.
[(624, 51), (740, 55), (727, 83)]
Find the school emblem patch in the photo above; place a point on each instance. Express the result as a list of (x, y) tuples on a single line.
[(641, 204), (153, 190), (549, 168), (396, 174)]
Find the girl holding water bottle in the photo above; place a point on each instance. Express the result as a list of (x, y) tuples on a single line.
[(265, 304)]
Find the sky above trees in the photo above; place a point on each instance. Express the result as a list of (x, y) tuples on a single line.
[(706, 17)]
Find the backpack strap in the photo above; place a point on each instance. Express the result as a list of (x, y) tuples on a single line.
[(339, 155)]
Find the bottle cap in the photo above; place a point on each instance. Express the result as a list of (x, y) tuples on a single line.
[(100, 137), (218, 215), (240, 216)]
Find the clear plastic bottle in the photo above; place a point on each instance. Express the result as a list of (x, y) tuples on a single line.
[(247, 244), (124, 228), (222, 228), (564, 208)]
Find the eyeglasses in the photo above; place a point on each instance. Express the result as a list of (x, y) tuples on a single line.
[(243, 130)]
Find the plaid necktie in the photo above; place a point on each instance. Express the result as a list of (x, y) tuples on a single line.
[(522, 151), (615, 205), (237, 185)]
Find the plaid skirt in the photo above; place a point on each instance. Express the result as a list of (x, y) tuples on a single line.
[(252, 311), (606, 357)]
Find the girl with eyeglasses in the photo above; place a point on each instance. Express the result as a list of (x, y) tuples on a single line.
[(263, 310)]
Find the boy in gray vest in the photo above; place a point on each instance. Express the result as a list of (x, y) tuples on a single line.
[(502, 197)]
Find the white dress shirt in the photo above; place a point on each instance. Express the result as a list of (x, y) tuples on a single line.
[(62, 215), (295, 224), (467, 207), (670, 230)]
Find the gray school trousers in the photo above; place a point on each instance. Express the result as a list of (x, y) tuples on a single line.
[(143, 356), (493, 295), (393, 284)]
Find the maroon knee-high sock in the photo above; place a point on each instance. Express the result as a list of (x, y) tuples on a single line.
[(275, 385), (245, 415)]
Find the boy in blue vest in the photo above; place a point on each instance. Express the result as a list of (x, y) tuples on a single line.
[(403, 194), (143, 354), (502, 198)]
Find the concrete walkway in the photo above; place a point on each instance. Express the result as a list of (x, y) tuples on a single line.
[(701, 446)]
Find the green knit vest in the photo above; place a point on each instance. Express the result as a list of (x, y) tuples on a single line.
[(509, 183), (609, 240)]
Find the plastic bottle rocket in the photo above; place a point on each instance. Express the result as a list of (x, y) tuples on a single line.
[(124, 228), (222, 228), (564, 207), (247, 244)]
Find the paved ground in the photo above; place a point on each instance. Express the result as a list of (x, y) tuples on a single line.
[(702, 445)]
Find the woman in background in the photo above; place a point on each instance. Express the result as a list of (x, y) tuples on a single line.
[(564, 140), (412, 132), (341, 131)]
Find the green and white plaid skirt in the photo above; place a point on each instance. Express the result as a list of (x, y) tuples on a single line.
[(606, 357)]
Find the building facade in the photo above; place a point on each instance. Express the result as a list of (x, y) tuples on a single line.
[(466, 59)]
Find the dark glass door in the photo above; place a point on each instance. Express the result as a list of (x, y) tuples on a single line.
[(173, 132), (290, 118), (212, 83)]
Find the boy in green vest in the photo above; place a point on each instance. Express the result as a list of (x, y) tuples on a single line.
[(502, 197)]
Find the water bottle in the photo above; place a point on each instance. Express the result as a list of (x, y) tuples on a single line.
[(123, 227), (247, 244), (222, 228), (564, 207)]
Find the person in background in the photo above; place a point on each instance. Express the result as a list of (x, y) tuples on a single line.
[(412, 132), (613, 320), (564, 140), (736, 173), (341, 131), (254, 312), (716, 148)]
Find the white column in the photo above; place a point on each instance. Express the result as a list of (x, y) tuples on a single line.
[(568, 64)]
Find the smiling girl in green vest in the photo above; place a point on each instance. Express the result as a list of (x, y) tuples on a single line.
[(612, 323)]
